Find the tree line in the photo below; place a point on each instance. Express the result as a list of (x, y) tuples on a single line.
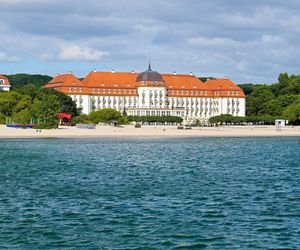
[(33, 103), (279, 100)]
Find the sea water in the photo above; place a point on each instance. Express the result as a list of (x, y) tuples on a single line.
[(231, 193)]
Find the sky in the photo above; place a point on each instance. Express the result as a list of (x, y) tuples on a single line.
[(249, 41)]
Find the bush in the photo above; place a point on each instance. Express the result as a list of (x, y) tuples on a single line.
[(83, 119), (46, 126), (2, 119), (105, 115), (123, 120), (156, 119)]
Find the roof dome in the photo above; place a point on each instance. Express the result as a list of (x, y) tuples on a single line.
[(150, 76)]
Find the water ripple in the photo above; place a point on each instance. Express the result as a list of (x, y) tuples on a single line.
[(235, 193)]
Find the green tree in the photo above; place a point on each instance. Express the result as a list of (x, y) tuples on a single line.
[(8, 100), (105, 115), (276, 106), (257, 100), (23, 116), (67, 105), (21, 80), (47, 109), (292, 113)]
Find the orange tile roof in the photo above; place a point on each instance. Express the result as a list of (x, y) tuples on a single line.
[(112, 80), (223, 85), (124, 83), (5, 80), (64, 81)]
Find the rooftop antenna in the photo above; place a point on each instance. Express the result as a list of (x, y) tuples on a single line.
[(149, 61)]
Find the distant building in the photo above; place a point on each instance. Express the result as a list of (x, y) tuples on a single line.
[(4, 83), (153, 94)]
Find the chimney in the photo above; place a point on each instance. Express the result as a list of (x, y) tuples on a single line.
[(226, 77), (94, 70), (113, 71), (174, 73), (132, 72), (191, 74)]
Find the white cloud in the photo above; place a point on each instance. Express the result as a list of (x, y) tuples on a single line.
[(270, 39), (69, 52), (6, 58), (217, 41)]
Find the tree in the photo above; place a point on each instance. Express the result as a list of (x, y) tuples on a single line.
[(105, 115), (47, 109), (67, 105), (8, 100), (292, 113), (23, 116), (21, 80), (276, 106), (248, 88), (257, 99)]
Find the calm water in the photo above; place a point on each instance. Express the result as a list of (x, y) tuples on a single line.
[(150, 194)]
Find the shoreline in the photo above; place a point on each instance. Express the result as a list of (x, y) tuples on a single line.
[(158, 131)]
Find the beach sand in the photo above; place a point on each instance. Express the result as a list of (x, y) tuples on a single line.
[(130, 131)]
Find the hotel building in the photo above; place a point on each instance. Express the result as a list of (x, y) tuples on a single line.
[(153, 94)]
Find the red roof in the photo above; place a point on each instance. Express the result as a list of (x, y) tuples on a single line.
[(4, 80), (64, 115), (124, 83)]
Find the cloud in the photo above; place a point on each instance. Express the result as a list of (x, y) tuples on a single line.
[(69, 52), (217, 41), (249, 41), (5, 58)]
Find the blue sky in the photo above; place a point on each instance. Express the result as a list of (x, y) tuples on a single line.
[(249, 41)]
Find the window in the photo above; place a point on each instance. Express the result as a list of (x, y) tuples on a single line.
[(80, 90), (205, 93), (98, 91), (74, 89), (108, 91), (69, 89), (1, 82)]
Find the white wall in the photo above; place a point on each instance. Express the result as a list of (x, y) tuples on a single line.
[(201, 108)]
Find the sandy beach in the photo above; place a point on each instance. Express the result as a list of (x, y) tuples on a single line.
[(148, 131)]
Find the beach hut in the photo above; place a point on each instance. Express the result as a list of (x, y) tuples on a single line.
[(65, 119)]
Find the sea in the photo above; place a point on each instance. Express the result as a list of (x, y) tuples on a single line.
[(180, 193)]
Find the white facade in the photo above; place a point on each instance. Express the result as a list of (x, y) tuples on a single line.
[(155, 102), (152, 94)]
